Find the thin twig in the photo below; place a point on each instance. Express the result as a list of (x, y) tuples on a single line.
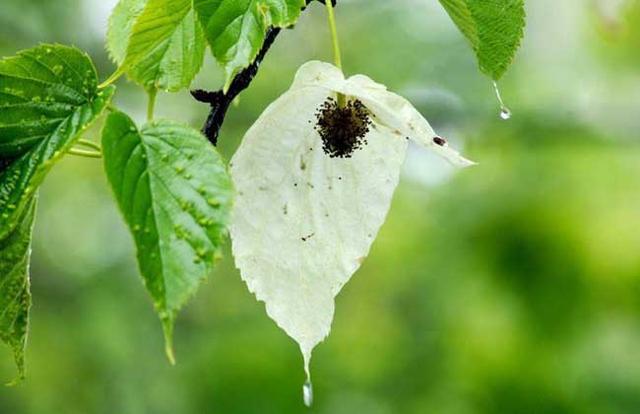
[(220, 101)]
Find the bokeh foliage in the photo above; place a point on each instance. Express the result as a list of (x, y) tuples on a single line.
[(512, 287)]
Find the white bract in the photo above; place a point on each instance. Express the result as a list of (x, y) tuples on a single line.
[(304, 222)]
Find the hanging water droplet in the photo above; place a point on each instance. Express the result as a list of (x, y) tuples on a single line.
[(307, 387), (307, 393), (505, 112)]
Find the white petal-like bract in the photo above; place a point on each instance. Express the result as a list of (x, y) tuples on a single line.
[(303, 222)]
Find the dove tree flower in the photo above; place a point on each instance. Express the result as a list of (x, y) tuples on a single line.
[(307, 208)]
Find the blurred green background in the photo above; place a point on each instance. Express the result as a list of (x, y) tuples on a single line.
[(512, 287)]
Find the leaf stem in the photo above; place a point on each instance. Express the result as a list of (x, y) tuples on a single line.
[(167, 329), (89, 144), (151, 106), (337, 55), (116, 75), (85, 154)]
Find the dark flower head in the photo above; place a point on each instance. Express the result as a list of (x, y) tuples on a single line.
[(343, 129)]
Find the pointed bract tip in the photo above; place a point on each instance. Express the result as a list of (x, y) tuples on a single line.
[(467, 163)]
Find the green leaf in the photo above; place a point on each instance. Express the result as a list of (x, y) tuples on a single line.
[(175, 194), (15, 294), (493, 27), (166, 46), (48, 98), (121, 26), (236, 29)]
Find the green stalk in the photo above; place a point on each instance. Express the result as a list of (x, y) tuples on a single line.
[(337, 55), (89, 144), (114, 77), (153, 94), (85, 154)]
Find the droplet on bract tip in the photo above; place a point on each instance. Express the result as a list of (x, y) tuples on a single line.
[(505, 113), (307, 393), (307, 388)]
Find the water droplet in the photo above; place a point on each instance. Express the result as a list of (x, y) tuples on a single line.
[(505, 112), (307, 393)]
